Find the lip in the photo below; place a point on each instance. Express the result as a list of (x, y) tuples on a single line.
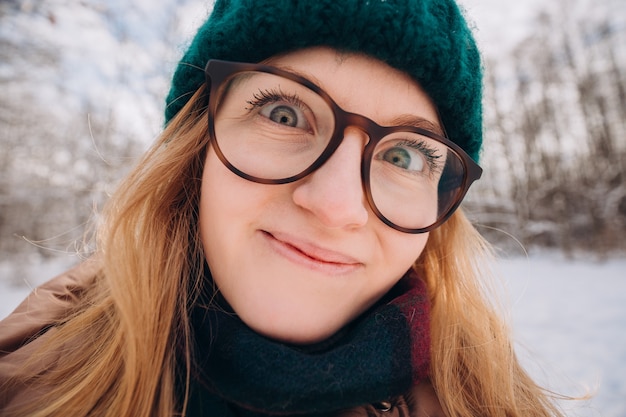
[(310, 255)]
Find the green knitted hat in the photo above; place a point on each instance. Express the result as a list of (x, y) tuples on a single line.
[(428, 39)]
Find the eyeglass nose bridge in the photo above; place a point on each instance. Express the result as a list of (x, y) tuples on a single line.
[(344, 120)]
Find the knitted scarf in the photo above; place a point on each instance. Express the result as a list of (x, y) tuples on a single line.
[(378, 356)]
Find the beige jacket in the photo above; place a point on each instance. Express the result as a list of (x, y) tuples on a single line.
[(25, 330)]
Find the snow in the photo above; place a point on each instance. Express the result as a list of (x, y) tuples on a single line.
[(568, 319)]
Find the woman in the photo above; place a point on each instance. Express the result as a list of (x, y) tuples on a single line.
[(290, 245)]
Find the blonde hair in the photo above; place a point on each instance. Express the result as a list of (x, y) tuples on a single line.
[(126, 350)]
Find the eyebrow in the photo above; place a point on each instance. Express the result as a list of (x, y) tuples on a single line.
[(307, 76), (417, 121)]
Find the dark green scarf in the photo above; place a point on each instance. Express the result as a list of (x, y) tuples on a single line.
[(378, 356)]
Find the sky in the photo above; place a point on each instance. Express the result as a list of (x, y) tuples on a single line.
[(500, 24)]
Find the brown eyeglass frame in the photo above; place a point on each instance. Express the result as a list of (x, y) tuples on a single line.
[(217, 71)]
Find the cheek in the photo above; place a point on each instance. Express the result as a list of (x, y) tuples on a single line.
[(229, 213), (206, 218), (224, 198), (402, 250), (209, 203), (219, 209)]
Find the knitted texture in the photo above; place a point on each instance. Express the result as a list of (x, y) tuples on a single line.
[(428, 39), (379, 356)]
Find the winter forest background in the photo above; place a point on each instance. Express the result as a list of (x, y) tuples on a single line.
[(82, 94), (82, 87)]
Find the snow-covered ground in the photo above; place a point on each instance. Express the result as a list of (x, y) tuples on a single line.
[(569, 319)]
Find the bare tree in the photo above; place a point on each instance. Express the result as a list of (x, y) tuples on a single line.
[(561, 131)]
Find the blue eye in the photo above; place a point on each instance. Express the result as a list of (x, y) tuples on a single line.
[(403, 158), (281, 114), (281, 108), (406, 155), (417, 155)]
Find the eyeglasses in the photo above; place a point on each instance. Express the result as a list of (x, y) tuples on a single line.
[(271, 126)]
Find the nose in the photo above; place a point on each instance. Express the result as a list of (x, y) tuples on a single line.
[(334, 192)]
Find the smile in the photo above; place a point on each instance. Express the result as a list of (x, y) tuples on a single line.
[(311, 256)]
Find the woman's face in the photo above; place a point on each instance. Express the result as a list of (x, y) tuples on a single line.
[(298, 261)]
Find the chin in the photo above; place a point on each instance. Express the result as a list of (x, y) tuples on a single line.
[(297, 334)]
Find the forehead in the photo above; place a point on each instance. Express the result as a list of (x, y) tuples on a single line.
[(361, 84)]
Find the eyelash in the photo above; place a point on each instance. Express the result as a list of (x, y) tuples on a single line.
[(431, 154), (264, 97)]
